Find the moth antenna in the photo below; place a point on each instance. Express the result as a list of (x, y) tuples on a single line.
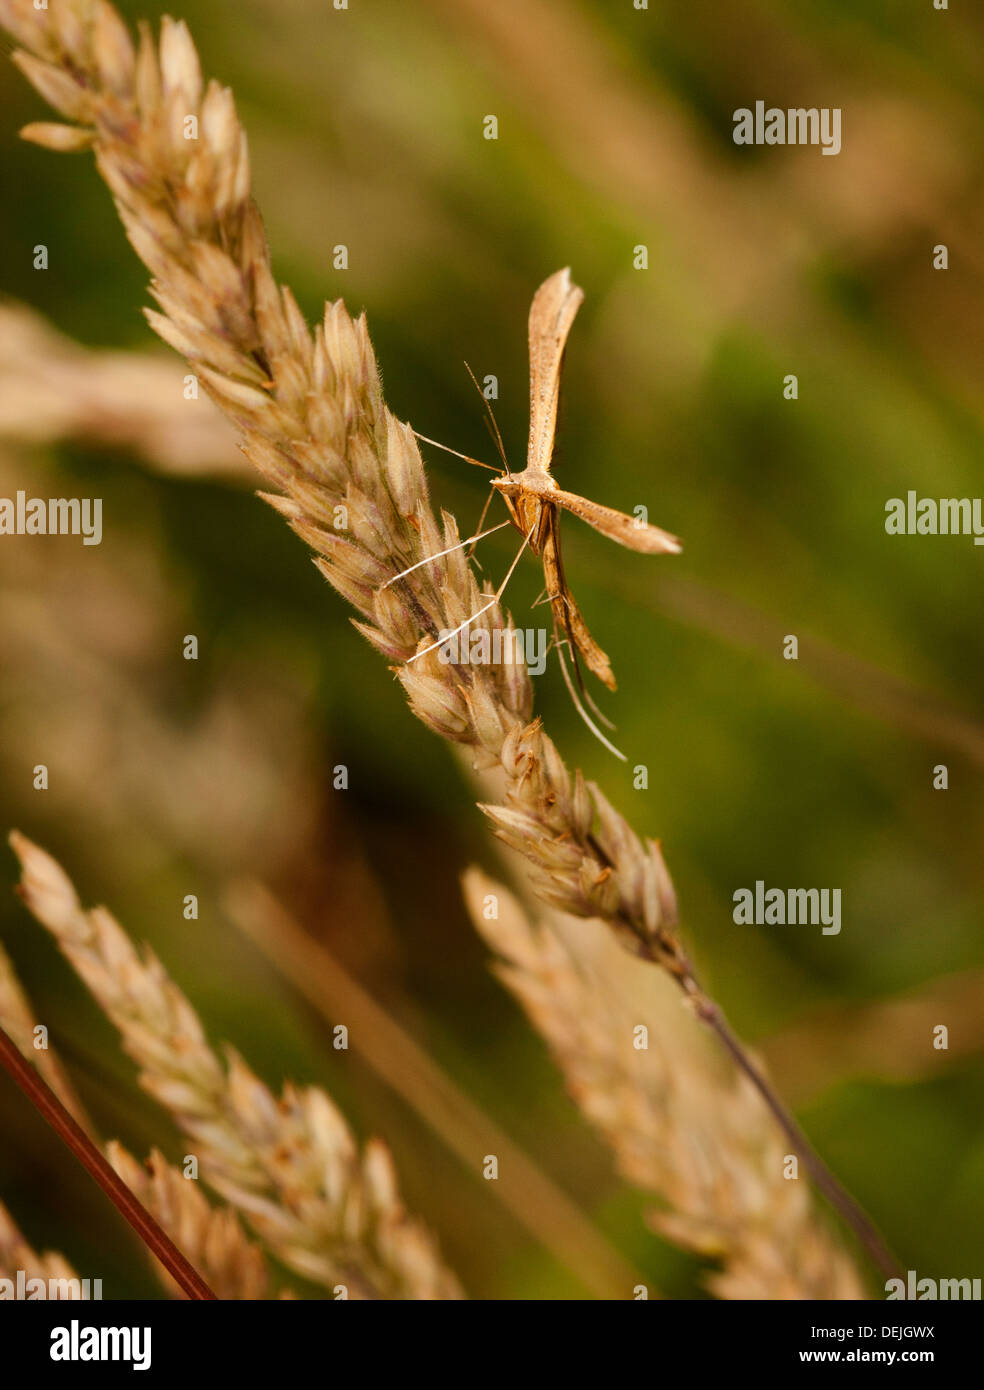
[(448, 450), (496, 435), (469, 540), (485, 606)]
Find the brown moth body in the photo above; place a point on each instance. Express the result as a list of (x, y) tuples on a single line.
[(534, 500)]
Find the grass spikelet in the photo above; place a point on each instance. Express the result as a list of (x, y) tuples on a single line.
[(701, 1141), (290, 1164)]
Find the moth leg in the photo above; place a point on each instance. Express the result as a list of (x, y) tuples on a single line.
[(494, 599), (565, 641), (576, 701), (566, 611), (472, 540), (478, 529)]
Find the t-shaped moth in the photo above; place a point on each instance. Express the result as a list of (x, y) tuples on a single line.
[(534, 500)]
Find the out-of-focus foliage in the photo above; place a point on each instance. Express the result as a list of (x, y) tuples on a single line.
[(170, 777)]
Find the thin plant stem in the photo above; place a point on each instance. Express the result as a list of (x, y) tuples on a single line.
[(839, 1198), (71, 1133)]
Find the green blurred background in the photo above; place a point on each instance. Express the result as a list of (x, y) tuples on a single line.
[(171, 777)]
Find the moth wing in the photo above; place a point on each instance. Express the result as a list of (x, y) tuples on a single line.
[(551, 314), (566, 613), (626, 530)]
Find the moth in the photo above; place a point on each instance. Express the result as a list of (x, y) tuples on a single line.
[(534, 500)]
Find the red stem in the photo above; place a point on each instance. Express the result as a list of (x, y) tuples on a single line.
[(41, 1096)]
